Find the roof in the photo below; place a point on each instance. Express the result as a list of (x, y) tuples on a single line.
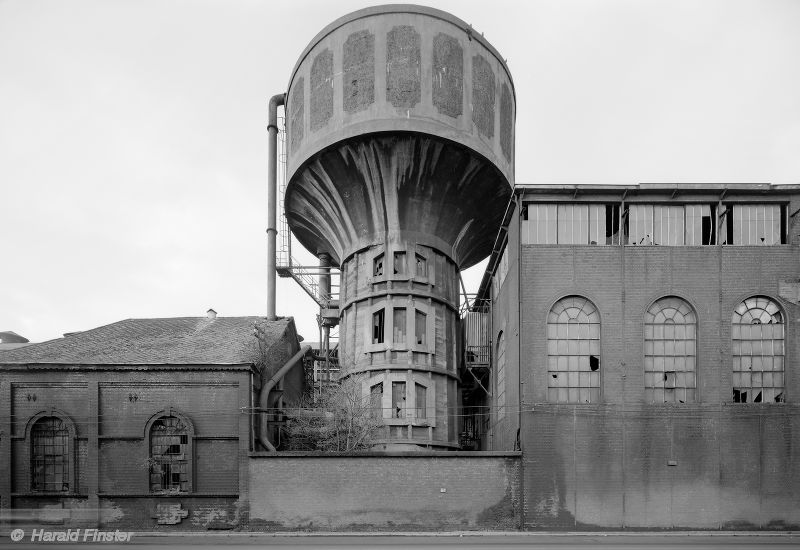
[(169, 341), (649, 188)]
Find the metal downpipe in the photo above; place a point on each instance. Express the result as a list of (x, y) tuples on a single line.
[(272, 200), (263, 396)]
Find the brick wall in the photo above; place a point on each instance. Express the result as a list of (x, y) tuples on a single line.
[(385, 492), (110, 410), (625, 463)]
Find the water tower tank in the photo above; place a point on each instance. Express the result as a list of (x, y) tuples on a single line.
[(400, 159)]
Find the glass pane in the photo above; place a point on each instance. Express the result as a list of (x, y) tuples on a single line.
[(399, 321)]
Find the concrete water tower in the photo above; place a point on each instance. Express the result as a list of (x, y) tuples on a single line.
[(400, 144)]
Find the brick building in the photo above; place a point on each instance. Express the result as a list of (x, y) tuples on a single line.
[(140, 423), (644, 348)]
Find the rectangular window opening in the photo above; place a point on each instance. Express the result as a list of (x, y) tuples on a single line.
[(376, 400), (377, 266), (420, 327), (399, 263), (398, 399), (377, 327), (422, 265), (399, 322), (421, 396)]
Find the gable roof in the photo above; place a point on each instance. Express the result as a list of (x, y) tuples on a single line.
[(169, 341)]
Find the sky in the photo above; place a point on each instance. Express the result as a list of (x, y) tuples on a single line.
[(133, 141)]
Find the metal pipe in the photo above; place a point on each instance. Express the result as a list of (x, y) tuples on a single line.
[(325, 295), (272, 200), (263, 397)]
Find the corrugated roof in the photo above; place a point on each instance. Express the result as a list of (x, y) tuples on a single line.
[(174, 340)]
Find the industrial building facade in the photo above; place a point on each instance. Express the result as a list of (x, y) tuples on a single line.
[(644, 354), (630, 360)]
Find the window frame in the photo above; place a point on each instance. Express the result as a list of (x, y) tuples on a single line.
[(188, 451), (554, 367), (411, 379), (694, 387), (69, 452), (783, 324)]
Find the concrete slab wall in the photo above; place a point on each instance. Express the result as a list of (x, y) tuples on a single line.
[(429, 491)]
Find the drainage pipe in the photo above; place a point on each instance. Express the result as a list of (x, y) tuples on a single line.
[(272, 200), (263, 396)]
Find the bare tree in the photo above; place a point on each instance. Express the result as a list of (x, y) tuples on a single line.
[(338, 419)]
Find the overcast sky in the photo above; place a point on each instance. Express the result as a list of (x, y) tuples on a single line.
[(133, 133)]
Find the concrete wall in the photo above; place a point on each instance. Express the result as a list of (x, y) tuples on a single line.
[(661, 466), (385, 492)]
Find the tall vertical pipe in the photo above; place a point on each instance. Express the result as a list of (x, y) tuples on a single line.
[(272, 200), (325, 294)]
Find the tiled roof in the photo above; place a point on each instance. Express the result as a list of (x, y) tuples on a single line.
[(175, 340)]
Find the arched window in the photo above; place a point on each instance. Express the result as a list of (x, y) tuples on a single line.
[(169, 455), (50, 455), (757, 338), (500, 364), (670, 329), (573, 351)]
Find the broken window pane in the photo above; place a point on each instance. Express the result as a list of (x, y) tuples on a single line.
[(377, 327), (377, 266), (399, 399), (573, 351), (169, 462), (669, 360), (579, 224), (700, 224), (420, 327), (757, 351)]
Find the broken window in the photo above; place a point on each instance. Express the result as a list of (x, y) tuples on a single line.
[(50, 455), (422, 265), (500, 369), (169, 463), (573, 351), (701, 224), (399, 399), (421, 401), (669, 224), (399, 263), (399, 322), (420, 327), (757, 337), (670, 350), (377, 266), (376, 400), (377, 327), (754, 224), (594, 224)]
